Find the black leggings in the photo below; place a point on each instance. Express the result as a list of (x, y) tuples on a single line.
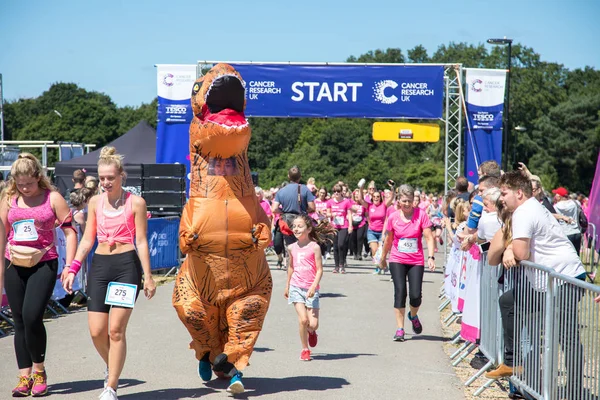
[(28, 291), (357, 238), (415, 283), (340, 248)]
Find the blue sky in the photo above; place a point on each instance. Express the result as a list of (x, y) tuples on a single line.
[(111, 46)]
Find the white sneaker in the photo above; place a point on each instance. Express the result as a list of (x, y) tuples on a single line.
[(105, 377), (108, 394)]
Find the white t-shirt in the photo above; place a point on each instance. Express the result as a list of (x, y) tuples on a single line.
[(549, 244), (489, 224)]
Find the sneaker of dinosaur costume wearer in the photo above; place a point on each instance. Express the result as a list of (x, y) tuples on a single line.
[(235, 384), (23, 388), (40, 384), (204, 370)]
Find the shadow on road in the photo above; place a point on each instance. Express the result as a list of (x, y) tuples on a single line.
[(262, 349), (341, 356), (86, 386), (430, 338), (263, 386), (169, 394), (331, 295)]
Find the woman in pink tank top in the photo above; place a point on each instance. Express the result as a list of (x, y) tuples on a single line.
[(30, 212), (118, 220), (304, 275)]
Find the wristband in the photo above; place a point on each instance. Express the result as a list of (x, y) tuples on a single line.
[(432, 257), (75, 267)]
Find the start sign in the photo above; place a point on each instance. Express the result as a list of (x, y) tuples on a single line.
[(405, 132)]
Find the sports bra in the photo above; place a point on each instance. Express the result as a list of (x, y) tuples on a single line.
[(115, 226)]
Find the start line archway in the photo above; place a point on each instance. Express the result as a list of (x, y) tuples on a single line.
[(331, 90)]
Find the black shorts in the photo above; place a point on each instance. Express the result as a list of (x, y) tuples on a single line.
[(123, 268)]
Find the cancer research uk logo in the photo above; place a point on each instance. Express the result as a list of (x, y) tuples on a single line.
[(168, 79), (383, 91), (476, 85)]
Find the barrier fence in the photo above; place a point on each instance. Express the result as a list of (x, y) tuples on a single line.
[(163, 245), (555, 332)]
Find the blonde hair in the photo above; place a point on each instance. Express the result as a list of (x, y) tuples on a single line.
[(27, 165), (461, 210), (80, 197), (109, 156), (91, 182)]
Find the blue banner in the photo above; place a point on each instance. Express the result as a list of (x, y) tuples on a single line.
[(483, 131), (163, 242), (350, 91), (174, 87)]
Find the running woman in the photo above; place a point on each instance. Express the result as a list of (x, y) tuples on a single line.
[(338, 210), (359, 225), (30, 212), (304, 275), (118, 219), (405, 229)]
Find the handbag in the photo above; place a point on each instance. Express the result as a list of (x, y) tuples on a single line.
[(25, 256)]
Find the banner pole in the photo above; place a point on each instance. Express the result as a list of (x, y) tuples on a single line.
[(1, 113)]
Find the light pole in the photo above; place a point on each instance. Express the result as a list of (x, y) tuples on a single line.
[(506, 127), (519, 129)]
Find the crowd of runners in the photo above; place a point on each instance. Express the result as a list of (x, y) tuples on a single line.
[(397, 227)]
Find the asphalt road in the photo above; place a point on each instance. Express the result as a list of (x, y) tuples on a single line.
[(355, 358)]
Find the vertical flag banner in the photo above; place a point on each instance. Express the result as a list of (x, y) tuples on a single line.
[(174, 85), (485, 106)]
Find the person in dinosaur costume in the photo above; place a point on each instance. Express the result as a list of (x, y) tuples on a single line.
[(223, 289)]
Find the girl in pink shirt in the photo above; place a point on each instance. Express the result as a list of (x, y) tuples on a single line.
[(404, 231), (304, 275), (338, 210), (359, 223)]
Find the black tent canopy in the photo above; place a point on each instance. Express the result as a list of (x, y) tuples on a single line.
[(138, 146)]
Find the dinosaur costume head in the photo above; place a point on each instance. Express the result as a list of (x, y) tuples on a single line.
[(220, 128)]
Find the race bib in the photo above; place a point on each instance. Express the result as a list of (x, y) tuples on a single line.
[(408, 245), (356, 218), (120, 294), (338, 220), (24, 231)]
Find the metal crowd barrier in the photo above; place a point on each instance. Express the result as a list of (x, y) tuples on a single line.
[(556, 335)]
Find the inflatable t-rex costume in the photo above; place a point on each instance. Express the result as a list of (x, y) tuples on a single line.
[(223, 289)]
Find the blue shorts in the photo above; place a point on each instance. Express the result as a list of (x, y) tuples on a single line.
[(298, 295), (373, 236)]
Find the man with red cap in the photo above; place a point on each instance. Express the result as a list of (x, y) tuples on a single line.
[(570, 211)]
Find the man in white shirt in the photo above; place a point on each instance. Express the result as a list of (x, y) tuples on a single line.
[(537, 237)]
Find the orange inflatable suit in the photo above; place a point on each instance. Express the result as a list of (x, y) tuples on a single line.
[(223, 288)]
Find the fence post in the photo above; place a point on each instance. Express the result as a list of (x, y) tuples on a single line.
[(548, 339)]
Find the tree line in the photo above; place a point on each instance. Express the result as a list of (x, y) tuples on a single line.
[(559, 107)]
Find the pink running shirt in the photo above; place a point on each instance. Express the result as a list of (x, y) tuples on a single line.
[(267, 207), (320, 205), (407, 247), (359, 214), (391, 209), (305, 265), (377, 216), (339, 212)]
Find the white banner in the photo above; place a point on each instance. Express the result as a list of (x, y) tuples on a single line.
[(175, 82), (485, 86)]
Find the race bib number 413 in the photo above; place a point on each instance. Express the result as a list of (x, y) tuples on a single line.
[(120, 294)]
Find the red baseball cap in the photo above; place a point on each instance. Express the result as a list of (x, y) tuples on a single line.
[(561, 191)]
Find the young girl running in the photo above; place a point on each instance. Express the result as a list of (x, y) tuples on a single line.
[(118, 220), (304, 275)]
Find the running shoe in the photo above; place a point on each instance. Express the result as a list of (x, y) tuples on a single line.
[(279, 264), (106, 377), (108, 394), (23, 388), (377, 271), (40, 384), (416, 324), (336, 270), (399, 336), (204, 370), (313, 338), (343, 270), (305, 355), (235, 384)]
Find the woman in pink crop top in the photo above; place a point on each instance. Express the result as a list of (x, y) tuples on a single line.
[(30, 213), (118, 219)]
